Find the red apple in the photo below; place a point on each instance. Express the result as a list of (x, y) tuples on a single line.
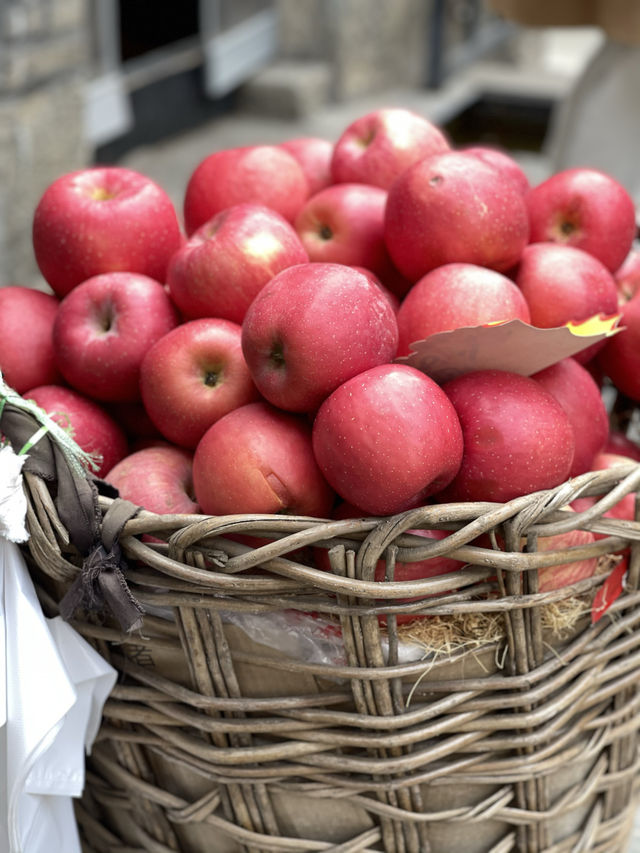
[(314, 156), (587, 209), (387, 439), (456, 295), (91, 427), (26, 343), (564, 574), (219, 271), (194, 375), (619, 358), (391, 297), (576, 391), (502, 162), (625, 508), (135, 421), (627, 277), (157, 478), (344, 224), (258, 459), (597, 374), (561, 283), (379, 146), (311, 328), (517, 437), (394, 283), (254, 174), (450, 208), (103, 330), (100, 220)]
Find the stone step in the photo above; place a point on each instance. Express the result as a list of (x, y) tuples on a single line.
[(287, 89)]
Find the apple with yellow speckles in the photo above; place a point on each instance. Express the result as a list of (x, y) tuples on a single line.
[(586, 209), (250, 174), (627, 277), (379, 146), (579, 395), (157, 478), (224, 265), (508, 421), (503, 163), (387, 439), (260, 459), (313, 327), (27, 360), (456, 295), (193, 376), (314, 156), (453, 208), (103, 329), (563, 284), (100, 220), (344, 224), (91, 426)]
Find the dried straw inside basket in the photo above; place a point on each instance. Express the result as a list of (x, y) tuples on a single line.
[(213, 741)]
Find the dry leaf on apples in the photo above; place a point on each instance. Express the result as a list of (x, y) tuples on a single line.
[(513, 346)]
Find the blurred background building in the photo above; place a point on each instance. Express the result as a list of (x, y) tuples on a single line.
[(86, 81)]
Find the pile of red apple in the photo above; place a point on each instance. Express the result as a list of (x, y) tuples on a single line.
[(251, 365)]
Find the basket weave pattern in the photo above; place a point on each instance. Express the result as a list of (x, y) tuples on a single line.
[(214, 742)]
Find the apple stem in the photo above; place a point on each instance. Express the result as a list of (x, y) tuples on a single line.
[(102, 194), (277, 355), (366, 141), (106, 316)]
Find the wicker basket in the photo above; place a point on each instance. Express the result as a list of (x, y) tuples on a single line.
[(215, 742)]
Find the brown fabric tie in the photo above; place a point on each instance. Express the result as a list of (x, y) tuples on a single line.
[(101, 581)]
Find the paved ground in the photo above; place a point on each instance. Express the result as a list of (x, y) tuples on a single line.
[(171, 162)]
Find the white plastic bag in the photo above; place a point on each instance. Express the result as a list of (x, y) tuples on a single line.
[(53, 686)]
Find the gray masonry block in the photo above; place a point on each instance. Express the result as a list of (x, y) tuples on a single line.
[(45, 51), (23, 19), (25, 64), (288, 89), (42, 137), (370, 45), (20, 20), (379, 45), (305, 29), (69, 15)]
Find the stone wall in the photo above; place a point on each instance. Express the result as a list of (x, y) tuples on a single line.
[(371, 45), (379, 45), (44, 64)]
